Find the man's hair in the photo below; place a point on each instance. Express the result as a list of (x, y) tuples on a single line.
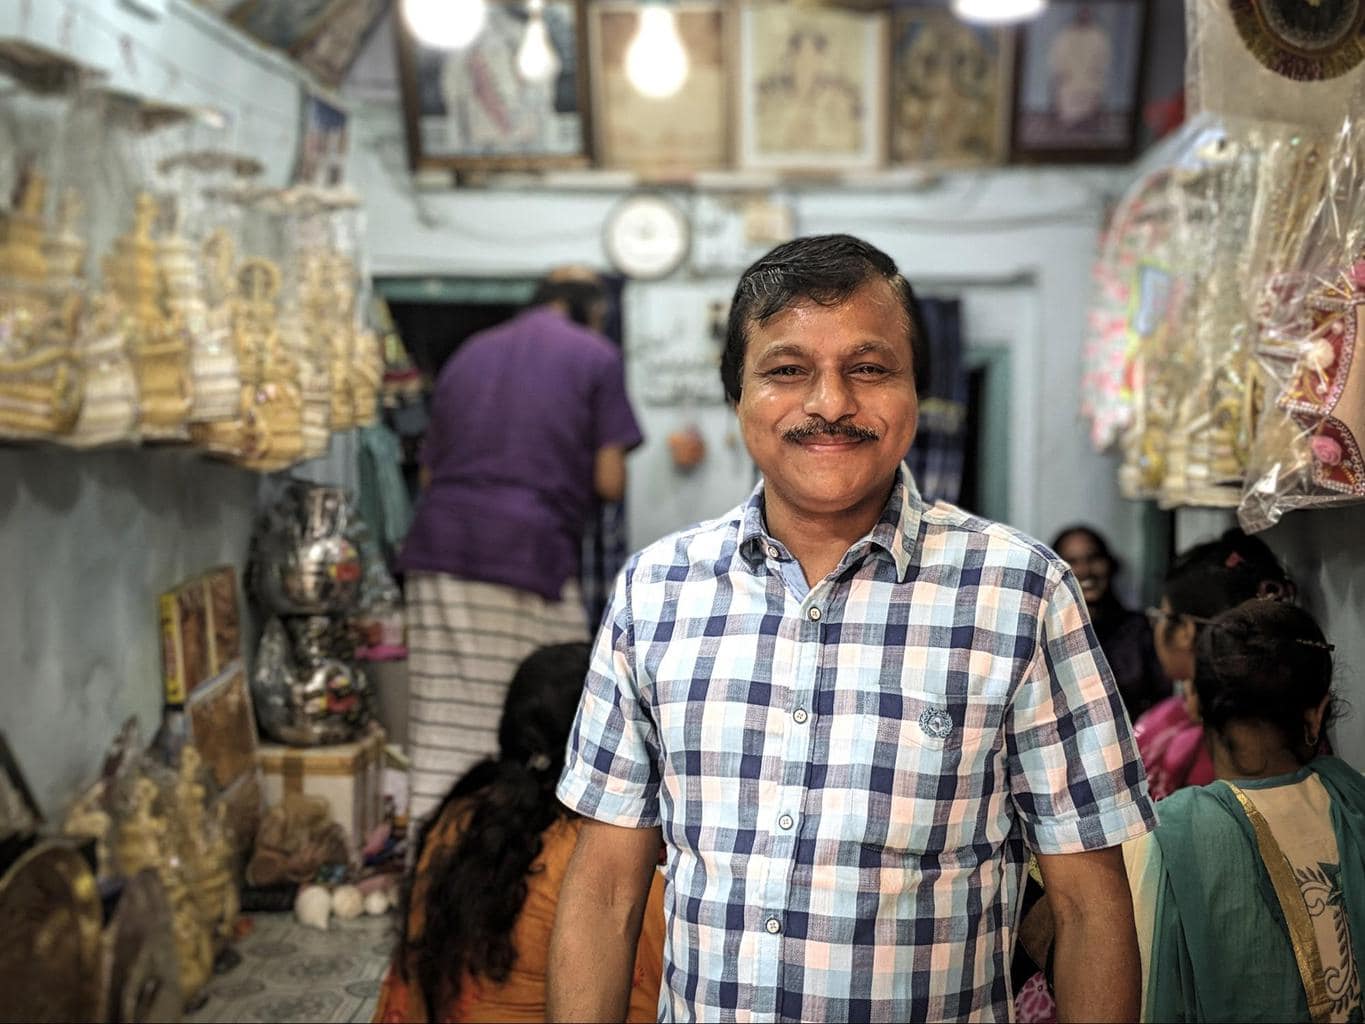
[(825, 269), (579, 295)]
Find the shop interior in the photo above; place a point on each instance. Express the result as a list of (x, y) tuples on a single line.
[(239, 239)]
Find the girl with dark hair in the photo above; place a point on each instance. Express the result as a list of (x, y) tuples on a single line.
[(1249, 898), (479, 909), (1202, 582), (1124, 635)]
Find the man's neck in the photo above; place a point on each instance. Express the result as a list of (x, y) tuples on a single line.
[(819, 542)]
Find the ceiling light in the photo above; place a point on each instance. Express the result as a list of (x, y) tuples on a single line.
[(997, 12), (445, 24), (536, 57), (656, 63)]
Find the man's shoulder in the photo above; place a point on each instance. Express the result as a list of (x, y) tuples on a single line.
[(950, 533), (702, 547)]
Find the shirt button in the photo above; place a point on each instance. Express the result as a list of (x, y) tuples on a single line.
[(773, 925), (785, 822), (800, 716), (813, 615), (773, 552)]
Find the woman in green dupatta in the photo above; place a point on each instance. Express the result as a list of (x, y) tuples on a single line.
[(1250, 895)]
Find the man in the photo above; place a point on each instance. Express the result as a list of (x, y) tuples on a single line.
[(530, 424), (848, 716)]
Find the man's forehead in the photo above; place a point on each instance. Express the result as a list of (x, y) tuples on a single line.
[(876, 296)]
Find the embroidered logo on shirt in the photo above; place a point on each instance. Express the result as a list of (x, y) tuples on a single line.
[(936, 723)]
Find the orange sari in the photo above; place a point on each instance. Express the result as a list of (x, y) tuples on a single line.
[(522, 996)]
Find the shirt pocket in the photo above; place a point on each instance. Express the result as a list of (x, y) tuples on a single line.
[(918, 777)]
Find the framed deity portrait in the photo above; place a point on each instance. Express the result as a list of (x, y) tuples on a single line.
[(671, 138), (950, 89), (1078, 82), (811, 88), (472, 110)]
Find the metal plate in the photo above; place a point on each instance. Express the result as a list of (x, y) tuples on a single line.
[(144, 974), (51, 957)]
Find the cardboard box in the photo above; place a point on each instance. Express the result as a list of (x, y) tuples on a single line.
[(349, 776)]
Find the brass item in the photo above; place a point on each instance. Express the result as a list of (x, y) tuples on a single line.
[(50, 962)]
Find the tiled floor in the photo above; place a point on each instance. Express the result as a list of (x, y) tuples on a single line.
[(292, 973)]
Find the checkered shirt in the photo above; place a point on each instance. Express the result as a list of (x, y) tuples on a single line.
[(848, 776)]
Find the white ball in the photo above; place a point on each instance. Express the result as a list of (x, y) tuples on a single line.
[(313, 907), (347, 903), (377, 903)]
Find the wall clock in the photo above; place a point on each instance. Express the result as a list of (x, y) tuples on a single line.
[(647, 236)]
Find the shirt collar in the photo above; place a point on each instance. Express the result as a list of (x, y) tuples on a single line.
[(895, 533)]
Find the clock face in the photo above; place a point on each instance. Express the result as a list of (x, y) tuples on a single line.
[(647, 237)]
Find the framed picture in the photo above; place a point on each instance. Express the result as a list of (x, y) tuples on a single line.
[(811, 88), (1078, 82), (471, 110), (950, 89), (662, 139), (323, 141)]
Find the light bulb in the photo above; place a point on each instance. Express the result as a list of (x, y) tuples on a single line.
[(445, 24), (536, 57), (656, 63), (997, 12)]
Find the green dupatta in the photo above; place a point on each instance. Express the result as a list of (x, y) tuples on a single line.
[(1220, 946)]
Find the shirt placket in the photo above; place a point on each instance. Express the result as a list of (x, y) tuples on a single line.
[(783, 819)]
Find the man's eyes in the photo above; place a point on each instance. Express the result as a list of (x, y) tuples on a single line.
[(861, 370)]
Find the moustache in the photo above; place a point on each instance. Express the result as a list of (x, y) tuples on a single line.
[(814, 428)]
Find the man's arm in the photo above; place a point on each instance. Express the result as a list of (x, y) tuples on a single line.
[(1097, 970), (609, 473), (597, 922)]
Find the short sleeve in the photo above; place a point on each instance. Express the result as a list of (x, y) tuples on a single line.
[(1074, 772), (611, 771), (614, 423)]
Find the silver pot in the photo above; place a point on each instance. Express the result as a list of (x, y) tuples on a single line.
[(304, 561), (321, 702)]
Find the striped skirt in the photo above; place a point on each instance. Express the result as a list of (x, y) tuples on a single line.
[(465, 641)]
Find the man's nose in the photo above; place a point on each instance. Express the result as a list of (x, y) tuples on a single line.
[(830, 397)]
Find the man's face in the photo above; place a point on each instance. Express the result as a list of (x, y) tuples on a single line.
[(828, 405)]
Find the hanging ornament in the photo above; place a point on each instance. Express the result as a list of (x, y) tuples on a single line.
[(1304, 40)]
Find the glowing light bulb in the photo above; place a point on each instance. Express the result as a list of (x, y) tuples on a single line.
[(445, 24), (656, 63), (536, 57), (997, 12)]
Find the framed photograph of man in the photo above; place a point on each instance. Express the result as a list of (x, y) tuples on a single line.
[(671, 138), (1078, 82), (950, 89), (811, 88), (472, 109)]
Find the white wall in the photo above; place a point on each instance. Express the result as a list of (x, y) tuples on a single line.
[(88, 540), (1029, 232)]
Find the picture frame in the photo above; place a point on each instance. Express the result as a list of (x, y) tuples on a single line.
[(508, 124), (951, 89), (222, 725), (663, 139), (811, 88), (1078, 82)]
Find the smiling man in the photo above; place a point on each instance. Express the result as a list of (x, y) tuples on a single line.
[(849, 717)]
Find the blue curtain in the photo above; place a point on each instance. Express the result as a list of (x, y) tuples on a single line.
[(936, 456)]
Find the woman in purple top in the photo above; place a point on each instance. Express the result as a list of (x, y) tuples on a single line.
[(530, 426)]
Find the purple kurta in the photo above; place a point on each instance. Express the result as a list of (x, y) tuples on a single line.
[(518, 415)]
